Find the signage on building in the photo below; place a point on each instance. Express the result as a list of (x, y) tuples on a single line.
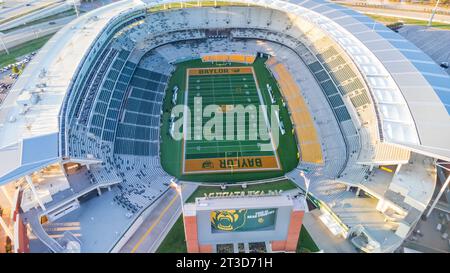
[(243, 220), (222, 194)]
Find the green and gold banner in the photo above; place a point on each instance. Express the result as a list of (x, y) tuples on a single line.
[(243, 220)]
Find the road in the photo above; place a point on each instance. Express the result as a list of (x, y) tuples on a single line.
[(14, 8), (28, 33), (402, 11), (405, 14), (32, 32), (158, 223), (432, 41)]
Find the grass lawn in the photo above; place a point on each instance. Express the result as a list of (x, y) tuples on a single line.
[(175, 241), (172, 150), (392, 19), (22, 50), (283, 185)]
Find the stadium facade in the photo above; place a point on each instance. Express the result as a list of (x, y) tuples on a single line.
[(210, 222), (380, 108)]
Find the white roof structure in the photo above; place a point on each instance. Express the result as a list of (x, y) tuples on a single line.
[(29, 129), (411, 93)]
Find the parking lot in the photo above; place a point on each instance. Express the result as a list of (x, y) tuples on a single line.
[(8, 77)]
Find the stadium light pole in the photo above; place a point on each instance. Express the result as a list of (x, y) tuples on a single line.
[(178, 189), (3, 43), (307, 181), (433, 13), (75, 7)]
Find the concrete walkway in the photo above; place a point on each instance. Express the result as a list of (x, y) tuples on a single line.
[(153, 230), (323, 238), (40, 233)]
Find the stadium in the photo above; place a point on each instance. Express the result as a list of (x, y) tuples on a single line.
[(361, 112)]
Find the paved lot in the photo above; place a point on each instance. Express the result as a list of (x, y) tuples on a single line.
[(434, 42), (429, 239)]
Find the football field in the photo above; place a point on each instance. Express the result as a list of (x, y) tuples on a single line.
[(234, 146)]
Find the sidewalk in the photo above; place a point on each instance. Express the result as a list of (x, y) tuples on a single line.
[(323, 238), (149, 235)]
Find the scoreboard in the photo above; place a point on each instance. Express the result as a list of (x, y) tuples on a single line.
[(243, 219)]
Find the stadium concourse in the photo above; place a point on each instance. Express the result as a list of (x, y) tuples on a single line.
[(80, 131)]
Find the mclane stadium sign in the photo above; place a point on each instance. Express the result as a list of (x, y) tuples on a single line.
[(232, 194)]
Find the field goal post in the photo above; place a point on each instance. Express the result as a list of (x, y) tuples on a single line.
[(234, 164)]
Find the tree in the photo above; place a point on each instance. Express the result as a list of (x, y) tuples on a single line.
[(22, 67), (15, 70), (8, 245)]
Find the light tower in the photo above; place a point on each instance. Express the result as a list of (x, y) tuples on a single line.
[(430, 22)]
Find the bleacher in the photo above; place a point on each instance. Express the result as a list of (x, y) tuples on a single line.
[(331, 137), (138, 129), (343, 75), (93, 86), (227, 57), (82, 87), (111, 99), (143, 181), (307, 138), (104, 118), (330, 90)]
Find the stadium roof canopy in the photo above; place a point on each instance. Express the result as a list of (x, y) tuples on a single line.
[(29, 116), (410, 91)]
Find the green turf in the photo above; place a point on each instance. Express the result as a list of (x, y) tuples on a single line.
[(171, 150), (175, 241), (238, 89), (306, 243), (283, 185), (21, 50)]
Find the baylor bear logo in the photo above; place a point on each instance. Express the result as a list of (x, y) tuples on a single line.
[(207, 164), (228, 220)]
